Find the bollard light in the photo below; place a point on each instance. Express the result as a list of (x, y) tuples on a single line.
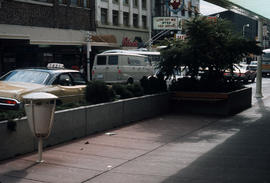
[(39, 108)]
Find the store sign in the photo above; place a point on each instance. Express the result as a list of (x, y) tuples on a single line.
[(166, 23), (180, 36), (175, 5), (126, 42)]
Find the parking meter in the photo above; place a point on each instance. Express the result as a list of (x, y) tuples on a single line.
[(39, 108)]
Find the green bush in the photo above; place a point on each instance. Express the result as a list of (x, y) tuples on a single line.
[(128, 91), (136, 89), (98, 92), (122, 91), (154, 84)]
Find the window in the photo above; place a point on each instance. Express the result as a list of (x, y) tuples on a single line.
[(101, 60), (183, 12), (135, 20), (86, 3), (113, 60), (62, 1), (104, 16), (64, 80), (45, 1), (144, 21), (115, 1), (115, 17), (74, 2), (135, 3), (126, 18), (77, 78), (143, 4), (126, 2)]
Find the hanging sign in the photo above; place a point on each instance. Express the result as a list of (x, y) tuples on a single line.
[(175, 5), (165, 23)]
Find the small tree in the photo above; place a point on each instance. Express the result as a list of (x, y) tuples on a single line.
[(209, 46)]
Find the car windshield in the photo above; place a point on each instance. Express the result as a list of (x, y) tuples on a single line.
[(26, 76)]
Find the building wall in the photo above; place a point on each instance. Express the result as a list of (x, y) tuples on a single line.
[(110, 19), (239, 21), (50, 15), (35, 32)]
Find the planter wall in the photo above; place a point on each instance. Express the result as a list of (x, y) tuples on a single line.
[(80, 122), (212, 103)]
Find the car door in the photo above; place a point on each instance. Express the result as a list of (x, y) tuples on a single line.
[(113, 70), (64, 88)]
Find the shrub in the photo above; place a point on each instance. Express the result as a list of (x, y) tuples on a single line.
[(153, 84), (122, 91), (136, 89), (98, 92)]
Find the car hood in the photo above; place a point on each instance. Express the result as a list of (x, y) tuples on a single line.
[(17, 89)]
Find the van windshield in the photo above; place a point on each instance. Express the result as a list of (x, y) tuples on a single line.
[(266, 56)]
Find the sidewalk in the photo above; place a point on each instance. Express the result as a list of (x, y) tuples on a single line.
[(175, 148)]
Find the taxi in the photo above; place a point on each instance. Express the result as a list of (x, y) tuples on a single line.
[(69, 85)]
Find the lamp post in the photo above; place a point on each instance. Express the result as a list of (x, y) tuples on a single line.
[(88, 38), (259, 65), (244, 29)]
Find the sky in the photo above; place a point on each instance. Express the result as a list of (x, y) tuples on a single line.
[(261, 7)]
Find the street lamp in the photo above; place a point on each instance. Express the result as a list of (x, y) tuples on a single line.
[(244, 27), (88, 39)]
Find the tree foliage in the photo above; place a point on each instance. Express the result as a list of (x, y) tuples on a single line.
[(209, 45)]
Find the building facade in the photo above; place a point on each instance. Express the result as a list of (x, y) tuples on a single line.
[(127, 21), (36, 32), (191, 8)]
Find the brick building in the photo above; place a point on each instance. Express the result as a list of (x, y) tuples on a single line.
[(35, 32)]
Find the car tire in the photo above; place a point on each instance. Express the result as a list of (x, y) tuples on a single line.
[(130, 81)]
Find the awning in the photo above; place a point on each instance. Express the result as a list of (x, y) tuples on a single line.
[(104, 40)]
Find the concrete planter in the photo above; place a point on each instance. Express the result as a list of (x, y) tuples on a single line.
[(212, 103), (80, 122)]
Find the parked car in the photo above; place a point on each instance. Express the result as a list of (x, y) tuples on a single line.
[(68, 85), (241, 72), (266, 62), (121, 67), (253, 65)]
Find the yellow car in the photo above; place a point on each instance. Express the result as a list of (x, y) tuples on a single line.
[(68, 85)]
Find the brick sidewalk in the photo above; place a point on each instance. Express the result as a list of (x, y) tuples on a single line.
[(172, 148)]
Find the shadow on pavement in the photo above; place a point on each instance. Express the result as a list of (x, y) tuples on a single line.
[(240, 153)]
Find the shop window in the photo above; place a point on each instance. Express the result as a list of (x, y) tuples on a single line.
[(115, 1), (135, 3), (44, 1), (104, 16), (126, 18), (62, 1), (86, 3), (144, 21), (135, 20), (143, 4), (115, 17)]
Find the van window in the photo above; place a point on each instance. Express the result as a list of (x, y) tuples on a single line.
[(134, 61), (101, 60), (113, 60)]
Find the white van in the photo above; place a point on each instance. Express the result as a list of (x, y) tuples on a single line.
[(121, 67)]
